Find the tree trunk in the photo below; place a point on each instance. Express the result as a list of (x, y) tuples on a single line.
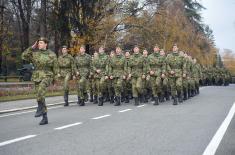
[(1, 34), (43, 26)]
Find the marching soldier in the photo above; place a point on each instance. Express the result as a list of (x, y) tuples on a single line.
[(136, 72), (67, 69), (177, 70), (46, 68), (83, 64), (117, 73)]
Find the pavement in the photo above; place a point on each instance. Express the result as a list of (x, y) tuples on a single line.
[(203, 124)]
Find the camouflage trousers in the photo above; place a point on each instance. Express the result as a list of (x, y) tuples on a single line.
[(110, 88), (156, 85), (166, 85), (66, 82), (82, 87), (41, 89), (99, 85), (176, 85), (137, 85), (185, 84), (117, 85)]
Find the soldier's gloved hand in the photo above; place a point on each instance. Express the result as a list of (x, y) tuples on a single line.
[(172, 72), (111, 77), (129, 76), (77, 73), (151, 72), (124, 77), (143, 76), (98, 71), (184, 75), (106, 77), (58, 75), (163, 76), (74, 77)]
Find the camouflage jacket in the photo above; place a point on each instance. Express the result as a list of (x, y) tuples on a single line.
[(157, 64), (101, 62), (44, 61), (83, 64), (66, 65), (136, 65), (117, 66), (175, 63)]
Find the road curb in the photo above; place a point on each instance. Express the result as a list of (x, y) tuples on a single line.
[(32, 107)]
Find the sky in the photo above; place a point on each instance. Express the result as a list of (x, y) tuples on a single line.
[(220, 16)]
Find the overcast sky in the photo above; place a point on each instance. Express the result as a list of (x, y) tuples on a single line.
[(220, 16)]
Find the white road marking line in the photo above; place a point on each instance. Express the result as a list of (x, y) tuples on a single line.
[(101, 116), (141, 105), (67, 126), (215, 141), (25, 112), (17, 140), (124, 110)]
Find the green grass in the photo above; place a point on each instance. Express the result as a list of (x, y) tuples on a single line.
[(31, 96)]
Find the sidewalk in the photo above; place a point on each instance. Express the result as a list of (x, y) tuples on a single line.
[(12, 106)]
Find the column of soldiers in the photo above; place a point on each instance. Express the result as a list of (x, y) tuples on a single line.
[(118, 77)]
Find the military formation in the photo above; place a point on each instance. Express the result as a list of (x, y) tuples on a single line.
[(118, 76)]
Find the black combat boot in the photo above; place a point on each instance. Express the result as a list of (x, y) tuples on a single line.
[(39, 111), (175, 102), (117, 101), (111, 99), (86, 97), (156, 101), (127, 99), (122, 97), (95, 99), (192, 93), (66, 99), (100, 101), (167, 95), (141, 98), (79, 100), (91, 97), (185, 95), (136, 101), (180, 99), (189, 94), (82, 102), (161, 98), (44, 119)]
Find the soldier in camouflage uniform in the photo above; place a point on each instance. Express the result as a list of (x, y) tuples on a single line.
[(99, 66), (46, 68), (117, 73), (196, 75), (67, 70), (95, 60), (156, 68), (83, 64), (126, 82), (177, 70), (165, 80), (109, 81), (136, 72), (146, 82)]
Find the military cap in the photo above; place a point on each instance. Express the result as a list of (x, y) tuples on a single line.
[(43, 39)]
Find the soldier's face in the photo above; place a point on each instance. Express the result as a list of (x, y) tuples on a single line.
[(101, 50), (42, 45), (118, 51), (156, 49), (175, 48), (82, 50), (127, 54), (145, 53), (64, 51), (136, 50), (162, 53)]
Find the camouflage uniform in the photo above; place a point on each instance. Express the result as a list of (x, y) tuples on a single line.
[(137, 69), (100, 63), (117, 71), (177, 64), (67, 70), (46, 67), (83, 64), (157, 65)]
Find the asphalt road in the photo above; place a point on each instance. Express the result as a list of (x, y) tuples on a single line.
[(186, 129)]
